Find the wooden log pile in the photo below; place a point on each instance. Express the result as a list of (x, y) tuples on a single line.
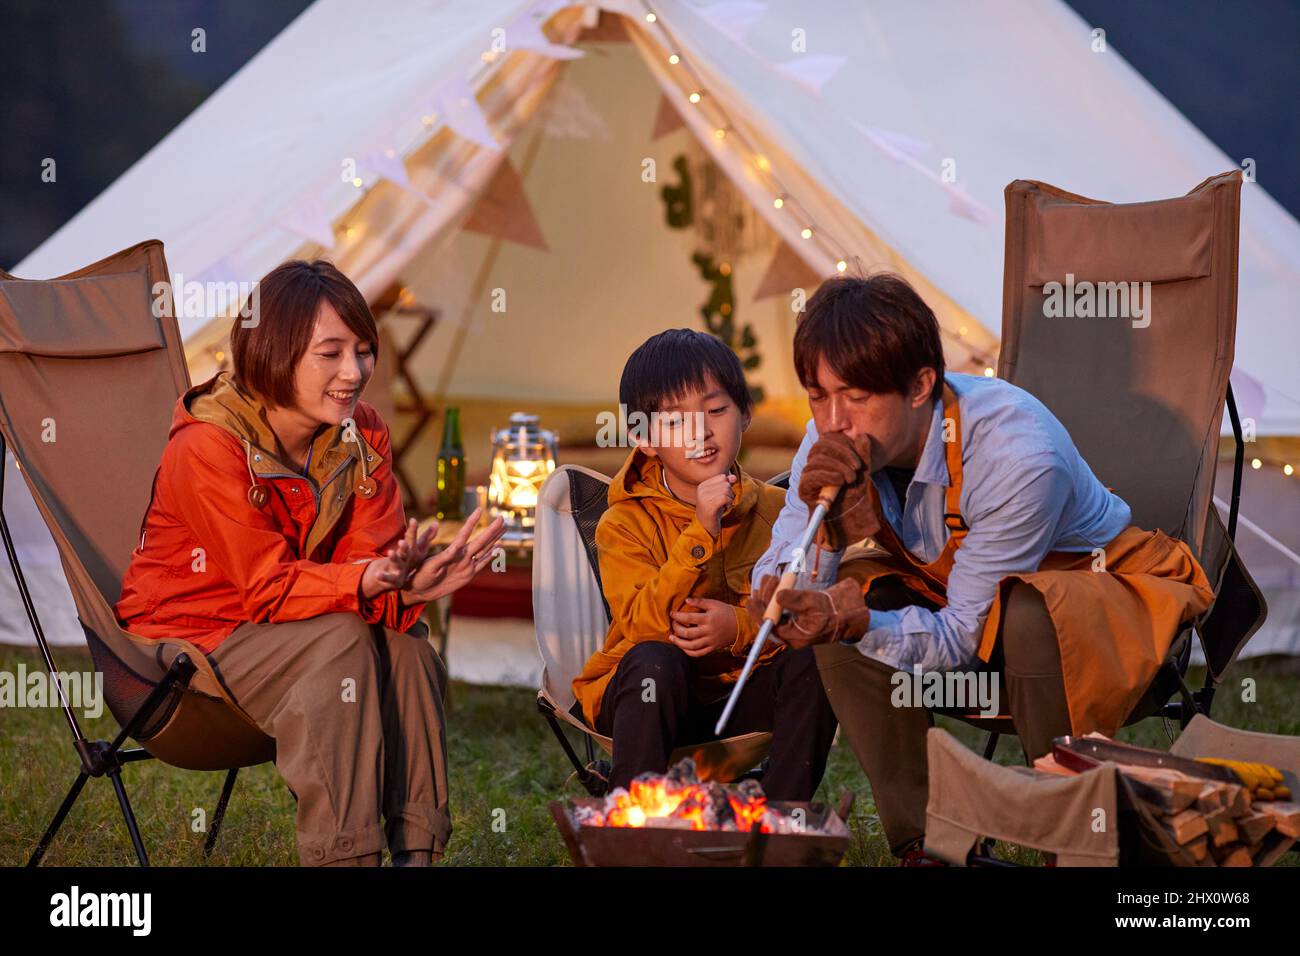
[(1215, 823)]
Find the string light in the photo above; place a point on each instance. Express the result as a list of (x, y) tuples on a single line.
[(1287, 470), (778, 202), (650, 18), (1256, 464), (694, 97), (841, 266), (427, 120), (674, 59), (719, 133), (806, 233), (357, 182), (988, 372), (963, 330)]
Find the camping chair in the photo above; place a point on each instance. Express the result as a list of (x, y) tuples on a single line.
[(572, 619), (1151, 394), (88, 354)]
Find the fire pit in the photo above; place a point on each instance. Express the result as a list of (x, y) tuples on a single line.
[(675, 820)]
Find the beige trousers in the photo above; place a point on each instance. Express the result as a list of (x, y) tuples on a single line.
[(889, 741), (356, 711)]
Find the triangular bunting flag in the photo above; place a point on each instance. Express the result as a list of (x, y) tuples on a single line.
[(812, 72), (568, 114), (667, 119), (786, 272), (959, 203), (504, 212), (526, 33), (307, 217), (458, 107), (388, 164)]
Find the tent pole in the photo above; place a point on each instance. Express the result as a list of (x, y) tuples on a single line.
[(480, 282)]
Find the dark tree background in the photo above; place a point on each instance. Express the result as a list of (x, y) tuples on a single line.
[(95, 84)]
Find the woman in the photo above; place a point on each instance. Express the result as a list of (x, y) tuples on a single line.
[(276, 543)]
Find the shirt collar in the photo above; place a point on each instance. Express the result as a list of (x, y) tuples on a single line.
[(933, 466)]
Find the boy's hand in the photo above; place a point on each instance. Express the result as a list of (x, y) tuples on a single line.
[(713, 496), (710, 627)]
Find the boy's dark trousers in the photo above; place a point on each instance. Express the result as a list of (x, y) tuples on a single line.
[(784, 696)]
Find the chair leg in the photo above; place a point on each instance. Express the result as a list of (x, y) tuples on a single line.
[(991, 747), (220, 815), (52, 830), (128, 815)]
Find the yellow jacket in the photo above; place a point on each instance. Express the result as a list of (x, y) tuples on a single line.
[(654, 554)]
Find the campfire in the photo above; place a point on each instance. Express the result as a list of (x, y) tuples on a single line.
[(679, 799), (675, 819)]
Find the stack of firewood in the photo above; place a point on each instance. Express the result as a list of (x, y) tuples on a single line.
[(1215, 823)]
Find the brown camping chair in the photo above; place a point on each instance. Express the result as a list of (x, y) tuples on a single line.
[(1143, 404), (571, 619), (87, 354)]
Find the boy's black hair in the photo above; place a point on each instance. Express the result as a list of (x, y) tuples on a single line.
[(669, 364)]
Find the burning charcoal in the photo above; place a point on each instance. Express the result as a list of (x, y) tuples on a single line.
[(683, 773), (718, 814), (750, 791)]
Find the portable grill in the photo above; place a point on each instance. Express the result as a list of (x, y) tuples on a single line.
[(823, 842)]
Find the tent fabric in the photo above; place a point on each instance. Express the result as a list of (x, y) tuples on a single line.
[(1019, 91), (1000, 93)]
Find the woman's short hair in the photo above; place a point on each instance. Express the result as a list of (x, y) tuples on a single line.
[(875, 333), (266, 351)]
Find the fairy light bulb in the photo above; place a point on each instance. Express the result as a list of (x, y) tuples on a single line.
[(806, 233), (650, 18), (841, 266), (1287, 470), (988, 372), (1256, 464), (778, 202), (674, 59), (694, 97), (357, 182), (719, 133)]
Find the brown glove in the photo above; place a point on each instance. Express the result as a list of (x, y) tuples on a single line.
[(822, 617), (838, 460)]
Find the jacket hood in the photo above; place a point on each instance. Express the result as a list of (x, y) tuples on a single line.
[(221, 401), (642, 477)]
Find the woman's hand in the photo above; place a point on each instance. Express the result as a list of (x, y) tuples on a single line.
[(392, 571), (452, 568), (710, 627)]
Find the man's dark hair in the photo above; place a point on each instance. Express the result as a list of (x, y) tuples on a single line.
[(875, 333), (668, 365)]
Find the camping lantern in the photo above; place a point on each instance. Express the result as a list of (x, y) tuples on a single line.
[(523, 455)]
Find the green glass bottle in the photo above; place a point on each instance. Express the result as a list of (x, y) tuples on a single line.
[(451, 469)]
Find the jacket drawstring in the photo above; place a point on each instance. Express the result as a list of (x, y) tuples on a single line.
[(259, 495)]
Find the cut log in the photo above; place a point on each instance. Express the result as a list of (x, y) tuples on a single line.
[(1222, 829), (1187, 826), (1181, 791), (1210, 798), (1198, 848), (1286, 816), (1253, 827), (1232, 854), (1047, 764)]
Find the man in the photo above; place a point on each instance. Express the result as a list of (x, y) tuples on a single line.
[(998, 550)]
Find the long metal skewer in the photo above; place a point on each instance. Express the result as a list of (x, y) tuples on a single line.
[(771, 616)]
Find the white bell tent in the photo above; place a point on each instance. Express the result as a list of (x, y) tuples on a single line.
[(499, 152)]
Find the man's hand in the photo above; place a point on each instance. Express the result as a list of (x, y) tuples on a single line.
[(393, 569), (822, 617), (836, 459), (710, 627), (713, 496)]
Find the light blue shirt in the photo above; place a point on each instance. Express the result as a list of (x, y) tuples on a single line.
[(1025, 491)]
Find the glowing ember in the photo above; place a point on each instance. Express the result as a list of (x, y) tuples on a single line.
[(679, 799)]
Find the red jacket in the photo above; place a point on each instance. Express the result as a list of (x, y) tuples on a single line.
[(208, 560)]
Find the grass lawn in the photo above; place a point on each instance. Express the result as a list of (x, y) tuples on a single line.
[(502, 758)]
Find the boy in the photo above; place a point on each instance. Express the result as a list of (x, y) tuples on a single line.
[(677, 545)]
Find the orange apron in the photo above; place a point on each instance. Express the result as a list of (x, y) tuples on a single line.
[(1114, 621)]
